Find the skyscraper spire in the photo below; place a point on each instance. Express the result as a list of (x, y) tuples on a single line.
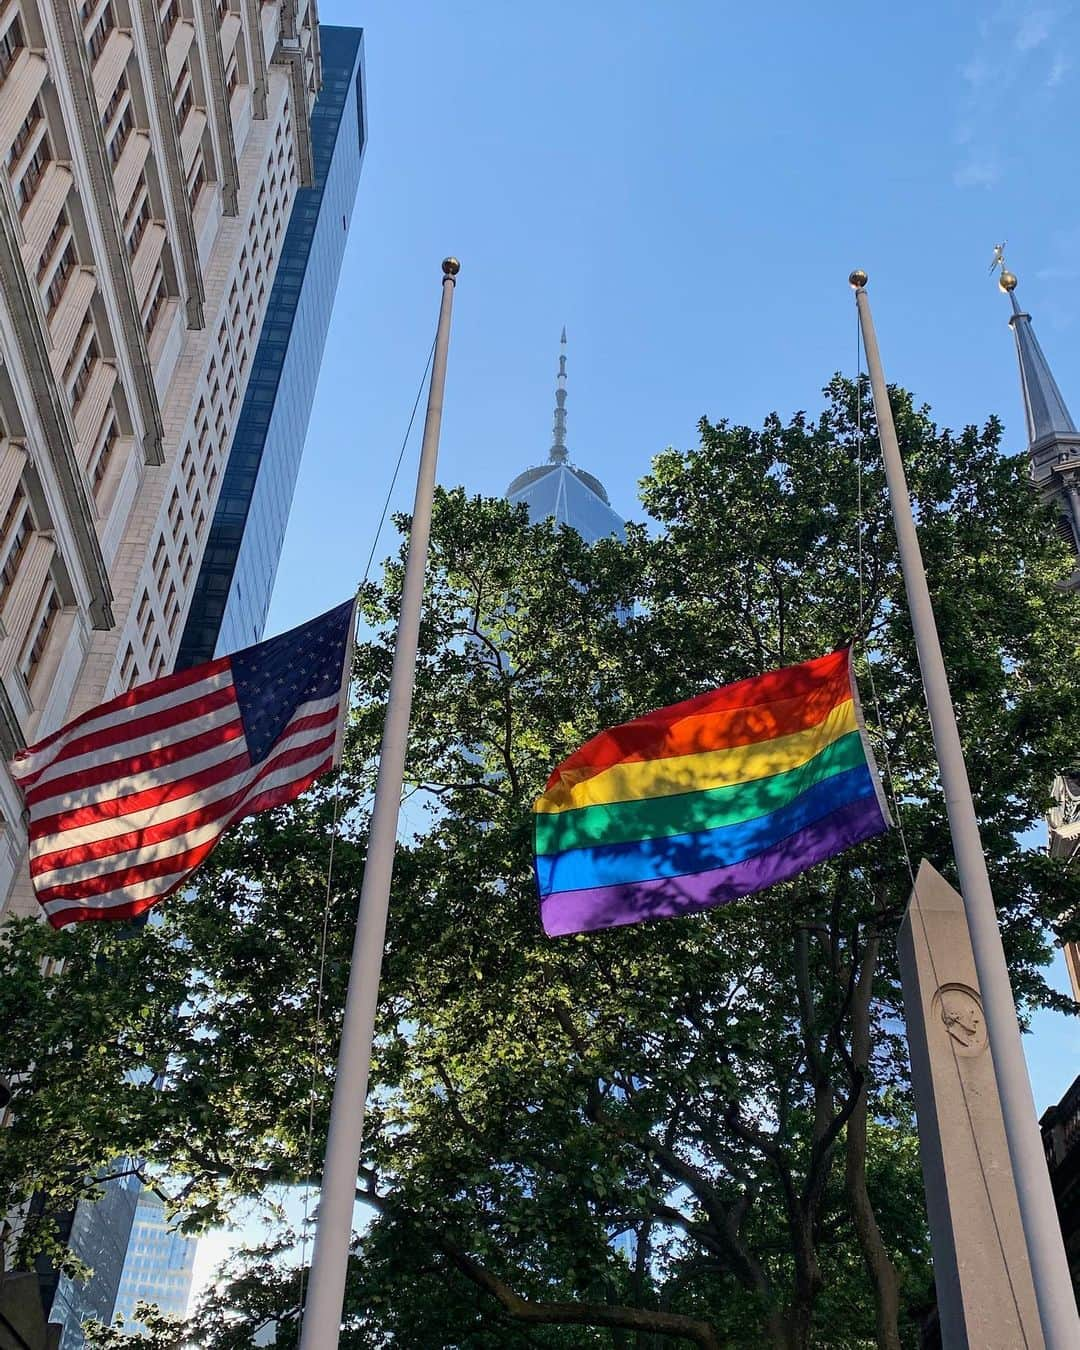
[(558, 454)]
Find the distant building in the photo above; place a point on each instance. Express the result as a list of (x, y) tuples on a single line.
[(560, 489), (158, 1267), (1060, 1127), (232, 590), (98, 1236)]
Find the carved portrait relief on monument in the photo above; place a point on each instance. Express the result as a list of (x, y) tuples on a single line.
[(960, 1010)]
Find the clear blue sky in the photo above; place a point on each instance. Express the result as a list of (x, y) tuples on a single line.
[(686, 186)]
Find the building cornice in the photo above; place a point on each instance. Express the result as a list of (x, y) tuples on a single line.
[(82, 86), (173, 177), (290, 53), (55, 418), (253, 10), (219, 95)]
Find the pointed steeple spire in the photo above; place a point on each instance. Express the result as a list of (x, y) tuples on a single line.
[(1044, 407), (558, 452), (1053, 439)]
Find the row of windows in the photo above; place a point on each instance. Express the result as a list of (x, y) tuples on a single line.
[(17, 531), (187, 507), (11, 44)]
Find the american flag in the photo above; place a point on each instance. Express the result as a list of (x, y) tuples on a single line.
[(128, 799)]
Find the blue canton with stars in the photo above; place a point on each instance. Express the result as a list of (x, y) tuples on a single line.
[(274, 678)]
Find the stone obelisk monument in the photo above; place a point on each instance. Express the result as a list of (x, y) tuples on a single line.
[(986, 1299)]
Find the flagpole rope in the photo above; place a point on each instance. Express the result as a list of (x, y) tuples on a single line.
[(894, 797), (317, 1030)]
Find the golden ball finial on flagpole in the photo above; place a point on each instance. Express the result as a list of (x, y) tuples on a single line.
[(451, 267), (1007, 281), (858, 279)]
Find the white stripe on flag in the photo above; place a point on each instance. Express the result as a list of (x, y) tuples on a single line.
[(32, 762)]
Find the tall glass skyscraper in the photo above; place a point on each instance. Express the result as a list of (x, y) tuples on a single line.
[(98, 1235), (158, 1267), (232, 592), (560, 489)]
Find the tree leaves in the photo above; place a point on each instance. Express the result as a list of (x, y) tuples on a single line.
[(695, 1083)]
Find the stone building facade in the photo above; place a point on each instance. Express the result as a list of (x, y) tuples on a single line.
[(151, 150)]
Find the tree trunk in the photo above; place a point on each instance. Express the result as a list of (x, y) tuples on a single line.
[(879, 1266)]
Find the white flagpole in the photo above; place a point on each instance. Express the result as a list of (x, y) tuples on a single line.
[(1046, 1252), (333, 1231)]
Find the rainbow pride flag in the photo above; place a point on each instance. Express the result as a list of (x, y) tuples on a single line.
[(708, 800)]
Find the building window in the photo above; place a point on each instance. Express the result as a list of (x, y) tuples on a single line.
[(58, 285), (157, 660), (41, 631), (160, 295), (124, 128), (86, 368), (15, 532), (31, 177), (51, 245), (198, 181), (138, 225), (170, 17), (172, 609), (11, 44), (113, 106), (100, 35), (184, 105), (161, 561), (143, 617), (101, 458), (24, 135), (176, 511), (127, 668)]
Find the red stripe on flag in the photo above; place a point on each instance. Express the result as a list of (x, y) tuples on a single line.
[(176, 826), (287, 792), (114, 770), (152, 723), (80, 913), (140, 694), (824, 682), (128, 876), (113, 808)]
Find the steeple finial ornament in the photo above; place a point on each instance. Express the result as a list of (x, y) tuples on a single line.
[(558, 452), (1007, 279), (1048, 419)]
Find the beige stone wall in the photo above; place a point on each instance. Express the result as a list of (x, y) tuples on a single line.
[(149, 154)]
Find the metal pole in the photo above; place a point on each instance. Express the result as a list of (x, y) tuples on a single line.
[(333, 1231), (1046, 1252)]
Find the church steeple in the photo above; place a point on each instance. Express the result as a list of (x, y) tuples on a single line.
[(558, 454), (1044, 405), (1053, 439)]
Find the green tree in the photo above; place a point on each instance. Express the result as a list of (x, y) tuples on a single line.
[(731, 1089)]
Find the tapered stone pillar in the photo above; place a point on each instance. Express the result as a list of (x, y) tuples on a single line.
[(986, 1299)]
